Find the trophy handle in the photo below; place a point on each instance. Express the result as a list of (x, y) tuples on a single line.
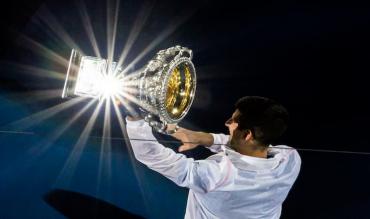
[(157, 125)]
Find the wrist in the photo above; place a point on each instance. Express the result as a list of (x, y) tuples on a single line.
[(205, 138)]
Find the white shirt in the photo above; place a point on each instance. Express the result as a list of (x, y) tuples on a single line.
[(226, 185)]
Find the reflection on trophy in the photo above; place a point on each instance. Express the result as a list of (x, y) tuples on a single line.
[(165, 87)]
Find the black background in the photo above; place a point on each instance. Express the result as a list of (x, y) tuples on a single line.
[(313, 57)]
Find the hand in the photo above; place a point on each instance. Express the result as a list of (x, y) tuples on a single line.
[(189, 139)]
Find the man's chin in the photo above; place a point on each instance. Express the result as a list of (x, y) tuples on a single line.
[(231, 144)]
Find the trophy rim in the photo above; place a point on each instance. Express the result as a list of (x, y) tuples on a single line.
[(163, 111)]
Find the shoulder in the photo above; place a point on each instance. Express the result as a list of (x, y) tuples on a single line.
[(217, 158), (288, 157), (221, 162), (283, 150), (217, 163)]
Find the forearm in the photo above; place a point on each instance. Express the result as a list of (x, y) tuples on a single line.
[(203, 138), (201, 176), (144, 144), (192, 139), (219, 142), (210, 140), (214, 142), (156, 156)]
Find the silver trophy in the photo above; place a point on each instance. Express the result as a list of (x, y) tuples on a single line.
[(166, 85)]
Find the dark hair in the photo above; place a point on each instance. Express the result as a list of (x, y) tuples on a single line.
[(266, 118)]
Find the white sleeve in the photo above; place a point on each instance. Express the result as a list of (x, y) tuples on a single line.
[(200, 176), (219, 142)]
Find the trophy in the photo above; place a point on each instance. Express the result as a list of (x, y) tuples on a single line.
[(165, 87)]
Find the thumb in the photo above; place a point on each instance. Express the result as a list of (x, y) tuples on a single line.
[(183, 148)]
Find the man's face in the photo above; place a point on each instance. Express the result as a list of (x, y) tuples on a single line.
[(236, 135), (232, 122)]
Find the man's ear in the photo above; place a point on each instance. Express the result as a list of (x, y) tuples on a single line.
[(248, 135)]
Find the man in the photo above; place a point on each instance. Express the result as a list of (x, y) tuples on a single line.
[(247, 178)]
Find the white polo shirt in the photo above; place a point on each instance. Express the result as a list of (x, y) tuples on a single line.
[(225, 185)]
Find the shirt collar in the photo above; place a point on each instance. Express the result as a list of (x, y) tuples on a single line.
[(253, 163)]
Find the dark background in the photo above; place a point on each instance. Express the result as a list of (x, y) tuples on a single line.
[(311, 56)]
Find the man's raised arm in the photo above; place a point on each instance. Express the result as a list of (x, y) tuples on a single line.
[(192, 139), (201, 176)]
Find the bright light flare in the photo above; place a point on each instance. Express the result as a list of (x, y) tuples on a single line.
[(110, 86), (94, 77), (90, 75), (70, 166), (36, 118), (97, 78)]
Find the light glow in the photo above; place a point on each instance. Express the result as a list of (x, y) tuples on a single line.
[(110, 86), (96, 77), (96, 80)]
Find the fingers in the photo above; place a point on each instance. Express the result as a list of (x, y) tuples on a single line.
[(177, 136), (183, 148), (180, 135), (186, 147), (171, 126)]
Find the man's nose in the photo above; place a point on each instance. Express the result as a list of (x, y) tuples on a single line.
[(228, 122)]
